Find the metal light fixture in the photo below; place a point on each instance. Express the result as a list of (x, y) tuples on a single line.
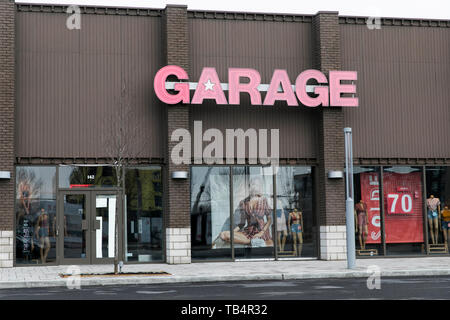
[(5, 175), (333, 174), (179, 175)]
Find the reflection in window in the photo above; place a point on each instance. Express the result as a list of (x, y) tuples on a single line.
[(437, 205), (35, 215), (210, 213), (144, 215), (253, 212), (247, 228), (294, 212), (403, 210), (86, 176), (75, 236), (367, 211)]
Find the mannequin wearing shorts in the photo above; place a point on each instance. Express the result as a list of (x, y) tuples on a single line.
[(295, 223), (281, 229), (445, 216), (361, 226), (42, 232), (433, 210)]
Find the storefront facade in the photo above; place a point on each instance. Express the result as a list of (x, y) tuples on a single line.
[(76, 101)]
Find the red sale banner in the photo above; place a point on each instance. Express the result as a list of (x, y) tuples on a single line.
[(403, 207), (371, 196)]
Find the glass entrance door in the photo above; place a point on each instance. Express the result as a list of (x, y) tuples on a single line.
[(73, 228), (86, 227)]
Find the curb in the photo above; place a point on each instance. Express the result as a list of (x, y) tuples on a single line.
[(138, 280)]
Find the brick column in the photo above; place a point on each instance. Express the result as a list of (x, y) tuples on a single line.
[(7, 76), (331, 153), (177, 215)]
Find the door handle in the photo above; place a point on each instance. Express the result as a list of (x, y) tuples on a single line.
[(84, 225)]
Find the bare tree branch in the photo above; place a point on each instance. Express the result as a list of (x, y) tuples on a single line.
[(121, 144)]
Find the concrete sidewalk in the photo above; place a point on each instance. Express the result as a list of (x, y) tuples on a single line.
[(22, 277)]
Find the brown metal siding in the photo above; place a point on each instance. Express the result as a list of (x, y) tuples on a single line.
[(403, 88), (297, 129), (68, 82), (264, 46)]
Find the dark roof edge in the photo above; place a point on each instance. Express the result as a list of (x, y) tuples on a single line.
[(250, 16), (396, 22), (87, 9), (230, 15), (124, 10)]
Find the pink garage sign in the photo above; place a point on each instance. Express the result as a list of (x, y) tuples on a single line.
[(328, 92)]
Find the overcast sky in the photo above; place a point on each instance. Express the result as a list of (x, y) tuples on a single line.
[(429, 9)]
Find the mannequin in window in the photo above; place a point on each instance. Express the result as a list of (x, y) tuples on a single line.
[(55, 226), (361, 225), (42, 234), (25, 199), (445, 216), (281, 227), (295, 223), (433, 210)]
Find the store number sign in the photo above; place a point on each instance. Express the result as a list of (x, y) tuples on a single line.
[(399, 203)]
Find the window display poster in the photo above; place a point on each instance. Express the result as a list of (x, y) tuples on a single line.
[(403, 220), (370, 195), (403, 207), (245, 187), (27, 234), (220, 204)]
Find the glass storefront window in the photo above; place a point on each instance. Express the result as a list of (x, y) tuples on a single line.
[(253, 212), (437, 206), (210, 213), (403, 210), (296, 233), (35, 215), (144, 214), (236, 219), (368, 217), (80, 176)]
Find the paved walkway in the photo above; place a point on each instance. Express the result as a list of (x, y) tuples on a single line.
[(21, 277)]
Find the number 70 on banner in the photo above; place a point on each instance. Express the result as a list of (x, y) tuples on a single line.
[(399, 203)]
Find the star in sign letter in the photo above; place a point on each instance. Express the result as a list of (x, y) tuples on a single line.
[(209, 85)]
